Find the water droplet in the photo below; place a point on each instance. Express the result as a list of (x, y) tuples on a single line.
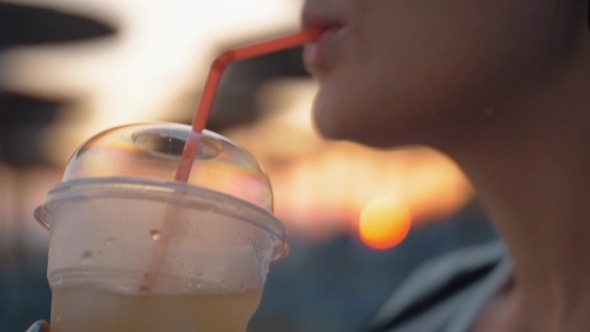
[(242, 286), (199, 286), (58, 319), (87, 257), (155, 234), (110, 241)]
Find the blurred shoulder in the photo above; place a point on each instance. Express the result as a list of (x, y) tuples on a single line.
[(431, 296)]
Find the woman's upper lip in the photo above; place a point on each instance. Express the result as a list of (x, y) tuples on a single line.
[(310, 19)]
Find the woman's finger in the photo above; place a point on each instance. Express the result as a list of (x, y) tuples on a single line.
[(39, 326)]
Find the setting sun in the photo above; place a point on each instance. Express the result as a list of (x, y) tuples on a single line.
[(384, 222)]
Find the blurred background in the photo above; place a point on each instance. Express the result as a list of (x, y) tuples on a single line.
[(71, 68)]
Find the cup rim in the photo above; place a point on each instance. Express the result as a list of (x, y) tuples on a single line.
[(158, 190)]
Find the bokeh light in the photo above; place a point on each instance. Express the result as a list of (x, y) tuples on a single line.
[(384, 222)]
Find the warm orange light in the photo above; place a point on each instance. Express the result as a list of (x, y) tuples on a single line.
[(320, 188), (384, 222)]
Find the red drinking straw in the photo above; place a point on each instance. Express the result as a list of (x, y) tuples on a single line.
[(200, 119)]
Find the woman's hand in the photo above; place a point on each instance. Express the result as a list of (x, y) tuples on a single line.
[(39, 326)]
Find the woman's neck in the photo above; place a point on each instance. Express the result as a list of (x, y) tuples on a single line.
[(530, 164)]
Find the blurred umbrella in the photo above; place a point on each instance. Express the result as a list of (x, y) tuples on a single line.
[(22, 122), (25, 25)]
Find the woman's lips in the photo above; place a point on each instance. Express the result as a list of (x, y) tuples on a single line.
[(314, 55)]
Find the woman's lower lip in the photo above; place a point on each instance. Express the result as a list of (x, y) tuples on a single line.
[(313, 55)]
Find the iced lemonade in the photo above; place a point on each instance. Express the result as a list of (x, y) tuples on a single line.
[(118, 210), (84, 308)]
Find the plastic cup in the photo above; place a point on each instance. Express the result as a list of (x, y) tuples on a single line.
[(105, 222)]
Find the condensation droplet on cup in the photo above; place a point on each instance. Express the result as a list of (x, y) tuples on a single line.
[(199, 286), (58, 319), (110, 241), (242, 288), (87, 257), (155, 234)]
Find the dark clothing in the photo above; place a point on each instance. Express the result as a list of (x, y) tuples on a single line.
[(445, 295)]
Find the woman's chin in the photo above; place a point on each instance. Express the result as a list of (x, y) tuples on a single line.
[(341, 116)]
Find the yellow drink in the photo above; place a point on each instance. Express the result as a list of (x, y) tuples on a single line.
[(88, 309)]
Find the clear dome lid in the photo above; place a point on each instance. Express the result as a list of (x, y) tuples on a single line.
[(153, 151)]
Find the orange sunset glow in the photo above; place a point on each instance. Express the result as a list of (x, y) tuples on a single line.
[(324, 188)]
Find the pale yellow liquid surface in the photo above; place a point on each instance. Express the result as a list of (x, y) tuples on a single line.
[(86, 309)]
